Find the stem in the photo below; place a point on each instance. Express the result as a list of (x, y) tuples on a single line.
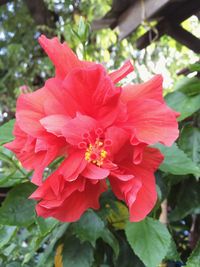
[(163, 216), (15, 164)]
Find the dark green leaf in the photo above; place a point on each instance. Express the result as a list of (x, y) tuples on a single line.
[(182, 103), (17, 209), (76, 254), (91, 227), (127, 257), (149, 240), (194, 259), (175, 179), (177, 162), (109, 238), (189, 142), (188, 200), (6, 132)]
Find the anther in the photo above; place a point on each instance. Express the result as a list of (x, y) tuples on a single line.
[(82, 145), (86, 135), (99, 132), (107, 143)]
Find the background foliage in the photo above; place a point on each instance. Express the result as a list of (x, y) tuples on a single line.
[(104, 238)]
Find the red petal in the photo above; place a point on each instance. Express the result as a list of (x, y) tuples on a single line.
[(126, 190), (122, 72), (92, 93), (30, 111), (139, 192), (56, 104), (138, 152), (122, 177), (152, 122), (147, 195), (94, 172), (61, 55), (74, 205), (73, 165), (118, 137), (54, 123), (148, 90), (75, 128)]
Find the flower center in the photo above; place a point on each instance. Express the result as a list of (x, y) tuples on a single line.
[(96, 146), (96, 153)]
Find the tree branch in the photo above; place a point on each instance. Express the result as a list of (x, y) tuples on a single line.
[(40, 13)]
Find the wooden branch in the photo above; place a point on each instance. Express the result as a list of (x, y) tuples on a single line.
[(175, 31), (186, 71), (151, 35), (165, 25), (3, 194), (138, 12), (184, 37), (194, 231), (110, 19), (40, 13), (164, 213)]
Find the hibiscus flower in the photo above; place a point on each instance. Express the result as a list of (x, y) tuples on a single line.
[(101, 130)]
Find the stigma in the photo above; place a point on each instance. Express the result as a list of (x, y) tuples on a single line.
[(96, 153)]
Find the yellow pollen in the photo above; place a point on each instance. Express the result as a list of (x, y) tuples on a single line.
[(103, 153), (98, 150)]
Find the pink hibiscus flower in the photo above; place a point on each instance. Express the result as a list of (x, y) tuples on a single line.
[(102, 131)]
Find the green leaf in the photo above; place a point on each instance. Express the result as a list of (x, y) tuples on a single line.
[(113, 211), (6, 234), (11, 172), (57, 233), (172, 253), (188, 200), (127, 257), (189, 86), (194, 259), (76, 254), (12, 179), (83, 30), (195, 67), (91, 227), (110, 239), (14, 264), (182, 103), (149, 240), (33, 245), (189, 142), (172, 179), (176, 161), (6, 132), (46, 225), (117, 214), (17, 209)]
